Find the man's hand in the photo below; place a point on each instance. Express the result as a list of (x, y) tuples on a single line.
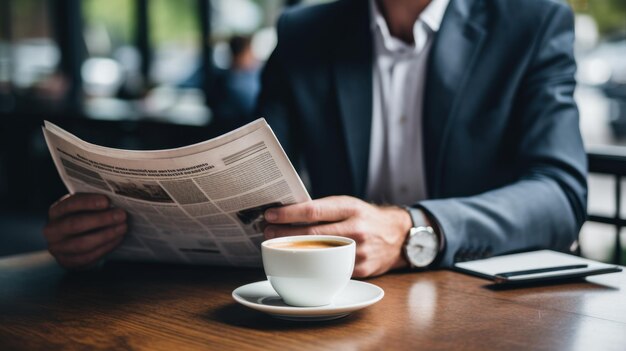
[(379, 231), (82, 228)]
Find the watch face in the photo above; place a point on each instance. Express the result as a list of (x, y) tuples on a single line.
[(422, 247)]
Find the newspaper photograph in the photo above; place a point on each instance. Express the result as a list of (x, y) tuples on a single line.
[(198, 204)]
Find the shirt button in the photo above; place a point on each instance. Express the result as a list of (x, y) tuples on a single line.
[(403, 189), (403, 119)]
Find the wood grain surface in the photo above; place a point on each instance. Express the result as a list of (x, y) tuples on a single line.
[(165, 307)]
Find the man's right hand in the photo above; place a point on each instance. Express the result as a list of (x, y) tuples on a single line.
[(82, 228)]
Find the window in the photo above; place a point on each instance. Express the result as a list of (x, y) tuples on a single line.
[(601, 95), (600, 54)]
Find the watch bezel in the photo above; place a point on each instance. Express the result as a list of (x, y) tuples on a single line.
[(407, 247)]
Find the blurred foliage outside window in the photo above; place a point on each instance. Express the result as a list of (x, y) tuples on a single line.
[(174, 21), (610, 15), (116, 17)]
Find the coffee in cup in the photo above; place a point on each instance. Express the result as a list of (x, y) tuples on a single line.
[(308, 244), (308, 270)]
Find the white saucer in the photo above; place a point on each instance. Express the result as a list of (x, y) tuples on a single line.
[(262, 297)]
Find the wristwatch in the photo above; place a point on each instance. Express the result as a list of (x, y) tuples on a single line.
[(422, 244)]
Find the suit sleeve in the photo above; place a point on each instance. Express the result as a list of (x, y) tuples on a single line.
[(546, 206)]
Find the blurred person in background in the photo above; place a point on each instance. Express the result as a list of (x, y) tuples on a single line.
[(233, 91), (432, 131)]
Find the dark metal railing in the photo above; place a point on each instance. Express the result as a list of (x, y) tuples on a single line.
[(610, 161)]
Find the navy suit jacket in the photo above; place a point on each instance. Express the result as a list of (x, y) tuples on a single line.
[(504, 160)]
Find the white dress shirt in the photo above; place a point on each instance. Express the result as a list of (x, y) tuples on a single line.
[(396, 161)]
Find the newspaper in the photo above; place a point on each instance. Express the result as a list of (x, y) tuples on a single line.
[(198, 204)]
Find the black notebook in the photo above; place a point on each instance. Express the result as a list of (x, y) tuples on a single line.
[(534, 266)]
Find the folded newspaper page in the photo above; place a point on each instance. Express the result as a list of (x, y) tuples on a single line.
[(198, 204)]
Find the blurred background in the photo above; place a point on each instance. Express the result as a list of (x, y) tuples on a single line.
[(149, 74)]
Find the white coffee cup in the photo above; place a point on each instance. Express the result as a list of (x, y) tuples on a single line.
[(305, 276)]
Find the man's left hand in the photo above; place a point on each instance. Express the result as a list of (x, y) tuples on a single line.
[(379, 231)]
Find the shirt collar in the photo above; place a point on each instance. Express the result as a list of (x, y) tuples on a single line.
[(431, 17)]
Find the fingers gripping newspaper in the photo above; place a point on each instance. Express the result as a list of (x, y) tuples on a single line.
[(198, 204)]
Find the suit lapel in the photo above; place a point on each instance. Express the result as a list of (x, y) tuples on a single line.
[(352, 67), (452, 58)]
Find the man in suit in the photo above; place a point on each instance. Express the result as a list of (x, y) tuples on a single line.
[(432, 131), (462, 110)]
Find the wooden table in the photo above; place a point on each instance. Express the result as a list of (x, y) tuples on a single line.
[(161, 307)]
